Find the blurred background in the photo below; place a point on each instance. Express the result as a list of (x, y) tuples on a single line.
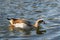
[(48, 10)]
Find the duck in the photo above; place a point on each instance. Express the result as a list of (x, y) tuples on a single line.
[(25, 25)]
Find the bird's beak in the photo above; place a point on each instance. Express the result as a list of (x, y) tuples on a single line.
[(44, 22)]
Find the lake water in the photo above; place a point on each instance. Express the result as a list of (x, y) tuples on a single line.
[(48, 10)]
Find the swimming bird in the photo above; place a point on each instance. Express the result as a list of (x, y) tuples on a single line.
[(25, 25)]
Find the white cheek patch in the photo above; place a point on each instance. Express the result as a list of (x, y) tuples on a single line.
[(21, 25)]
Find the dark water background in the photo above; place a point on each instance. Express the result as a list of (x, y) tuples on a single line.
[(48, 10)]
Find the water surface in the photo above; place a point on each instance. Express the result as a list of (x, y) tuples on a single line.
[(48, 10)]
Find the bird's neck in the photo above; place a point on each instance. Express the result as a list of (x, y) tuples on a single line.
[(36, 24)]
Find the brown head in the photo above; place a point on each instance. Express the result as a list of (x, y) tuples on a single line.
[(39, 21)]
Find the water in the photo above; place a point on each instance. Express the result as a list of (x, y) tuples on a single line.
[(48, 10)]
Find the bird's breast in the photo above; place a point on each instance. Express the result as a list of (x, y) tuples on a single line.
[(21, 25)]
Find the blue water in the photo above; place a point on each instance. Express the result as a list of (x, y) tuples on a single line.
[(48, 10)]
